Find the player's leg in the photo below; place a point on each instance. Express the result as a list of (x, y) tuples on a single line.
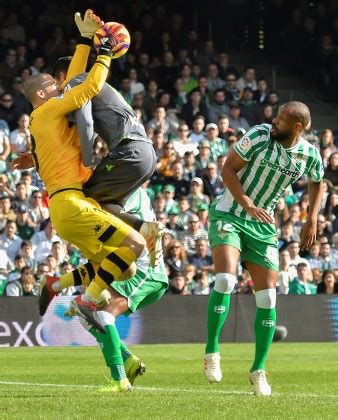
[(102, 238), (264, 272), (110, 342), (152, 231), (225, 259), (225, 244), (140, 291)]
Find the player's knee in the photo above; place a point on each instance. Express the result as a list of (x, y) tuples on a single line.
[(224, 283), (266, 299), (130, 272), (136, 242)]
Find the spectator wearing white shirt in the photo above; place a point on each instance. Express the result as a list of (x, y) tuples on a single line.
[(314, 258), (20, 138), (284, 277), (26, 178), (202, 288), (197, 134), (182, 143), (42, 242), (37, 211), (248, 79), (38, 65), (295, 259), (190, 236), (135, 85), (6, 265), (10, 241), (24, 286), (4, 150)]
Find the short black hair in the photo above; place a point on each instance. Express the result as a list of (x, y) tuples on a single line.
[(61, 65)]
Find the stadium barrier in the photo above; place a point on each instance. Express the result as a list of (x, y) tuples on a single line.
[(174, 319)]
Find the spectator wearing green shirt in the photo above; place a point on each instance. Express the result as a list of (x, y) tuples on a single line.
[(189, 82), (218, 146), (301, 285), (24, 223)]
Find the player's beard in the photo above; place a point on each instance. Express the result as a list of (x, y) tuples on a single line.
[(281, 137)]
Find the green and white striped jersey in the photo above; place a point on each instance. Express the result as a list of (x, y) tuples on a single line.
[(270, 170)]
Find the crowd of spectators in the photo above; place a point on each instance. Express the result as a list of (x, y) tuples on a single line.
[(194, 104), (307, 33)]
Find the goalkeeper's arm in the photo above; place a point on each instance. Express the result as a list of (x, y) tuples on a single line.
[(87, 28)]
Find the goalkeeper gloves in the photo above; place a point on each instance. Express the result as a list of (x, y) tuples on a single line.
[(89, 24)]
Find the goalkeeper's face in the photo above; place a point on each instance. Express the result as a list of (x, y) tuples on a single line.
[(49, 88)]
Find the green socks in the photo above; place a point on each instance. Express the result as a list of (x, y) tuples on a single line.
[(110, 344), (265, 325), (218, 308), (125, 351)]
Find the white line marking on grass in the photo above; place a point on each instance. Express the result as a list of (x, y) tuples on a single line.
[(47, 385), (176, 390)]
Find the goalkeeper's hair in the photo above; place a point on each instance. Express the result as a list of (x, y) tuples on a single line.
[(61, 66)]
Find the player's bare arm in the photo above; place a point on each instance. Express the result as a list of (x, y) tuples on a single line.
[(231, 167), (309, 229)]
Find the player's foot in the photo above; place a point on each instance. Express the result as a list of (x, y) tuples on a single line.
[(47, 292), (260, 383), (113, 387), (152, 233), (134, 368), (85, 308), (212, 367)]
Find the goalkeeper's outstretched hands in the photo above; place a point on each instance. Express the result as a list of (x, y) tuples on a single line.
[(89, 24)]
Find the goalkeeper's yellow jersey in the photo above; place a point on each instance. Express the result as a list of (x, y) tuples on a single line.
[(55, 144)]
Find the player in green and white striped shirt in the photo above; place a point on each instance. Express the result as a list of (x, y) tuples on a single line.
[(257, 172)]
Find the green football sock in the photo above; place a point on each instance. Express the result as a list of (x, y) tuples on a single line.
[(218, 308), (110, 344), (125, 351), (265, 325)]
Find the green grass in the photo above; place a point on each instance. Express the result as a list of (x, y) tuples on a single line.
[(303, 379)]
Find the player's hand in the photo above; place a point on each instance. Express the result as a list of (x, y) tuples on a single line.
[(260, 214), (308, 234), (24, 161), (110, 45), (89, 24)]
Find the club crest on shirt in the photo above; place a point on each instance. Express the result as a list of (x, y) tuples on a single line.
[(284, 160), (244, 143)]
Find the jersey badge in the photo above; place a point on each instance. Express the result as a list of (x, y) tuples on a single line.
[(244, 143)]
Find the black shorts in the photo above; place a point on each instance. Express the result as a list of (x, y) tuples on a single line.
[(127, 167)]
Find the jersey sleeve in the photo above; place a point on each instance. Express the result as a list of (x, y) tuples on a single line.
[(316, 168), (252, 141), (85, 128), (78, 63), (79, 95)]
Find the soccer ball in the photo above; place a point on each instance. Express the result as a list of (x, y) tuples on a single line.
[(117, 30)]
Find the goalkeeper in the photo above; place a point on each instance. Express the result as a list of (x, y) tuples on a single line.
[(103, 238), (131, 159)]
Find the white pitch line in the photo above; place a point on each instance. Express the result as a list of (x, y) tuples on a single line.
[(175, 390)]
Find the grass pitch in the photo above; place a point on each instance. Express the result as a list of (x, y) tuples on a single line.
[(55, 383)]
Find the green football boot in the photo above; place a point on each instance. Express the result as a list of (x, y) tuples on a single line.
[(114, 387), (134, 368)]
